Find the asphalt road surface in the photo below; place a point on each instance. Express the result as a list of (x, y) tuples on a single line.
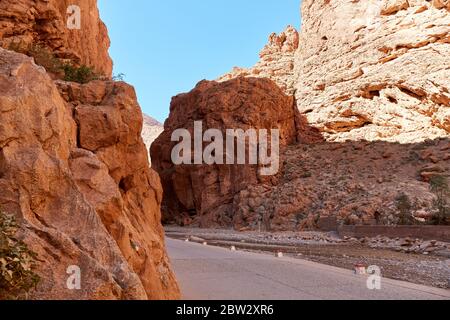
[(212, 273)]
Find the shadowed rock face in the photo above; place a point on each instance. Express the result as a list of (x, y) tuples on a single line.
[(205, 192), (74, 171), (45, 23)]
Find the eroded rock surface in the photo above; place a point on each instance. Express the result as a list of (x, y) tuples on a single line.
[(74, 171), (357, 182), (375, 70), (44, 23), (365, 70), (206, 192), (111, 168), (370, 81)]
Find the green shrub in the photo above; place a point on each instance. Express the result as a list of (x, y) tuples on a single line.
[(66, 71), (82, 74), (440, 187), (17, 278), (17, 47), (45, 58)]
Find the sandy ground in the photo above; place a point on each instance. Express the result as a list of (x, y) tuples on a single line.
[(327, 248)]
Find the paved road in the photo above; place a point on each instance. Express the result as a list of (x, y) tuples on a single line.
[(211, 273)]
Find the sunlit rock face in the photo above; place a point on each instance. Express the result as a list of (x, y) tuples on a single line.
[(370, 81), (111, 168), (365, 70), (45, 23), (375, 70), (74, 169)]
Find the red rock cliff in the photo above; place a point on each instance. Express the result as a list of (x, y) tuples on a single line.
[(45, 23), (74, 169), (370, 82), (205, 193)]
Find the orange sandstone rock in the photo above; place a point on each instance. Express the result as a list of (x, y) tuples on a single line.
[(75, 172), (44, 23), (205, 191)]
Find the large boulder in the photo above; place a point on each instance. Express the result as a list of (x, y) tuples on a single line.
[(204, 192)]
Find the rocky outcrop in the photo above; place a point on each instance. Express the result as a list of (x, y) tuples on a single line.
[(205, 193), (74, 171), (370, 81), (276, 61), (44, 23), (375, 70), (150, 131), (111, 168), (356, 182), (365, 70)]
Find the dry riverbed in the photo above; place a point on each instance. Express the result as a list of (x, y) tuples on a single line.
[(413, 260)]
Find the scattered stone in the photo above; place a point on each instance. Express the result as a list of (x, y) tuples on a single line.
[(196, 239)]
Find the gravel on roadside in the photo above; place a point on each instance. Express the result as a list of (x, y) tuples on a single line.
[(412, 260)]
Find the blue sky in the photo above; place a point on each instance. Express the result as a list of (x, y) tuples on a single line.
[(165, 47)]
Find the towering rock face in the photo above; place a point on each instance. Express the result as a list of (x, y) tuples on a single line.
[(370, 81), (375, 70), (111, 168), (365, 70), (74, 169), (276, 61), (44, 23), (38, 139), (206, 192)]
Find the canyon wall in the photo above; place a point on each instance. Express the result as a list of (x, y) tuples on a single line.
[(74, 169), (370, 82), (44, 23), (372, 70), (375, 70)]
